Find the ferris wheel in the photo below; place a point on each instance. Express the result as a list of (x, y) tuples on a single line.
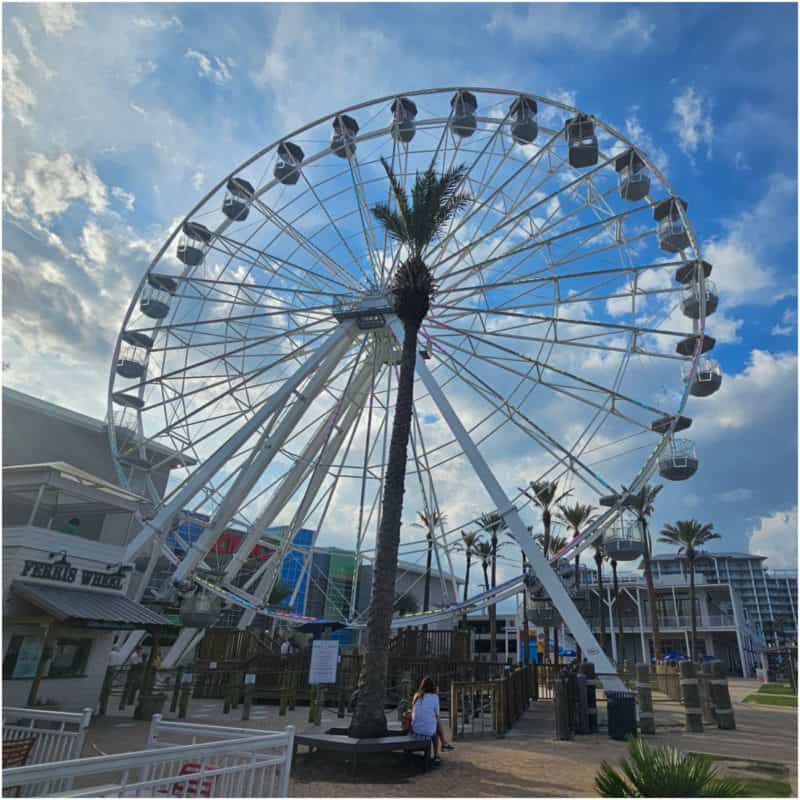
[(259, 356)]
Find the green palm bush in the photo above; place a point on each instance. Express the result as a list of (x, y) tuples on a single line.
[(664, 772)]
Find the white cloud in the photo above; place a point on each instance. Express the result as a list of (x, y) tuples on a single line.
[(51, 185), (197, 179), (58, 18), (126, 198), (637, 134), (775, 536), (206, 69), (787, 324), (691, 121), (736, 495), (30, 51), (554, 26), (741, 256), (162, 24), (94, 243), (18, 96)]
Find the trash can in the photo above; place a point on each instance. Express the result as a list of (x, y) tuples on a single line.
[(621, 715)]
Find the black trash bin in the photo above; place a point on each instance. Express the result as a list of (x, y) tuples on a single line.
[(621, 715)]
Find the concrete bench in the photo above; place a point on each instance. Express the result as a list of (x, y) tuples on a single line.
[(337, 740)]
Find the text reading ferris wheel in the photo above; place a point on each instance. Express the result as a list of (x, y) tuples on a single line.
[(259, 356)]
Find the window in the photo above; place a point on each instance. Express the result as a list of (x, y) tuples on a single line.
[(22, 657), (69, 658)]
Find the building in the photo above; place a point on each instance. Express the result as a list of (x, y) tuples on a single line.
[(768, 597)]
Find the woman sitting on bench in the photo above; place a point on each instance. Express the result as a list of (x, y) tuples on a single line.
[(425, 720)]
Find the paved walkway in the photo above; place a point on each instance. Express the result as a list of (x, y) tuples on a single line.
[(527, 762)]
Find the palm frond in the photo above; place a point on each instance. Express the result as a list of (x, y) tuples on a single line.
[(399, 192), (393, 222)]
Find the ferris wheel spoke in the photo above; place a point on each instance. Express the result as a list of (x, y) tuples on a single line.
[(514, 415), (345, 278), (365, 215)]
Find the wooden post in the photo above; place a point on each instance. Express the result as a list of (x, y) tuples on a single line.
[(587, 668), (105, 692), (44, 658), (285, 677), (226, 693), (706, 700), (561, 708), (248, 698), (647, 719), (690, 692), (236, 682), (721, 698), (186, 693), (176, 690)]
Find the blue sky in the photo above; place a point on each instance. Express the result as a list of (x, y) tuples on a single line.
[(119, 117)]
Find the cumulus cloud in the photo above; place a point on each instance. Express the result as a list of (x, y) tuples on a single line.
[(126, 198), (94, 243), (58, 18), (217, 70), (775, 536), (744, 254), (52, 185), (17, 95), (691, 122), (554, 26), (30, 51), (637, 134), (787, 324)]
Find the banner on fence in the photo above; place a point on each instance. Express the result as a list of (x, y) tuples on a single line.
[(324, 659)]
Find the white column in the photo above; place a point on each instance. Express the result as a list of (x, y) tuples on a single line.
[(550, 581), (645, 649), (612, 613)]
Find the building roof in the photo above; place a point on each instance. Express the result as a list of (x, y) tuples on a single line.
[(98, 609), (707, 554)]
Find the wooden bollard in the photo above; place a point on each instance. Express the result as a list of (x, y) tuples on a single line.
[(706, 700), (227, 694), (587, 668), (284, 696), (312, 703), (690, 692), (647, 719), (723, 711), (294, 679), (561, 708)]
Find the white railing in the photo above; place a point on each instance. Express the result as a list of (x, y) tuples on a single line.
[(58, 736), (233, 762)]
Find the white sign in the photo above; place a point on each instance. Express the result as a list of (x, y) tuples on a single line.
[(324, 659), (249, 678), (212, 665), (186, 677)]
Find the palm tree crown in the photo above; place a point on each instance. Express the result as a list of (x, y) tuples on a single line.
[(688, 535), (435, 199), (576, 516)]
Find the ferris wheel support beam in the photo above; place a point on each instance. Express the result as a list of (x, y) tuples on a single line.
[(359, 393), (550, 581), (294, 477), (260, 459), (198, 479)]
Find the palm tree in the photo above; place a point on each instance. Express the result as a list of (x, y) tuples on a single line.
[(413, 227), (641, 504), (599, 555), (493, 523), (618, 614), (689, 535), (545, 494), (469, 541), (484, 551), (575, 517), (429, 520), (556, 543)]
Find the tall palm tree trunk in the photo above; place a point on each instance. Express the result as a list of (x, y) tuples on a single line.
[(651, 592), (369, 720), (578, 651), (692, 610), (618, 615), (466, 583), (426, 600), (601, 605), (493, 607)]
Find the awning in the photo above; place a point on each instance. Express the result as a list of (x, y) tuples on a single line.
[(92, 609)]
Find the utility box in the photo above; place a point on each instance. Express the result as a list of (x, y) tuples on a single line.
[(621, 715)]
